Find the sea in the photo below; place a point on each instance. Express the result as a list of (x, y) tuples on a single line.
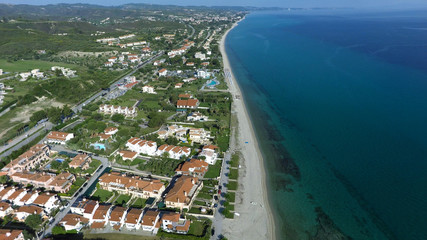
[(338, 100)]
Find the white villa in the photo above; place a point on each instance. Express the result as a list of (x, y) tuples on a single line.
[(111, 109), (175, 152), (210, 154), (199, 135), (148, 89), (196, 116), (142, 146)]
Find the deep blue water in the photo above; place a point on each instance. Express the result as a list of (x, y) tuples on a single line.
[(343, 95)]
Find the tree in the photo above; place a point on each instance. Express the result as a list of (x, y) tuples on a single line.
[(37, 116), (4, 179), (55, 164), (118, 118), (66, 111), (172, 141), (34, 221), (54, 114)]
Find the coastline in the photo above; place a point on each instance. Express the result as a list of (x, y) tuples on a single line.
[(253, 181)]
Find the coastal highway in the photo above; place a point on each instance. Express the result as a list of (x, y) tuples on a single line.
[(113, 86), (25, 138), (61, 214)]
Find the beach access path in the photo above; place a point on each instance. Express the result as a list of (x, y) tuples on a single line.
[(254, 219)]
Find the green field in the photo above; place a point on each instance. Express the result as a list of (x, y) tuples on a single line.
[(232, 185), (234, 174), (26, 65)]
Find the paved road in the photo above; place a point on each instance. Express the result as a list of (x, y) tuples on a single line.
[(113, 86), (218, 217), (7, 110), (79, 193), (32, 134)]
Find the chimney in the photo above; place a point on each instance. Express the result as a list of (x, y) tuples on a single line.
[(192, 181), (185, 193), (8, 234)]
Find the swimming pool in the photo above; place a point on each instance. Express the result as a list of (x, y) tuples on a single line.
[(212, 83), (98, 146), (60, 160)]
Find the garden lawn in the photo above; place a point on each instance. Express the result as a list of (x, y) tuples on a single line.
[(102, 195), (139, 203), (214, 170), (122, 200)]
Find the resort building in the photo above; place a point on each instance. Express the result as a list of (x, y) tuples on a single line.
[(51, 182), (142, 146), (128, 155), (199, 135), (85, 207), (179, 85), (194, 167), (47, 201), (182, 192), (196, 116), (101, 215), (24, 211), (81, 161), (172, 222), (210, 152), (111, 130), (5, 209), (28, 198), (175, 152), (59, 137), (133, 219), (189, 103), (117, 217), (151, 221), (9, 234), (111, 109), (134, 186), (28, 160), (73, 221)]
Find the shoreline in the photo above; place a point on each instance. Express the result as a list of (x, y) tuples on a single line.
[(254, 178)]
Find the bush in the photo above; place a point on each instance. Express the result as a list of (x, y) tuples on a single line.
[(34, 221), (58, 230)]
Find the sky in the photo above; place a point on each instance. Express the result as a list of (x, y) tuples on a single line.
[(256, 3)]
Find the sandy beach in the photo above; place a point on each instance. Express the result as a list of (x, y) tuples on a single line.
[(256, 219)]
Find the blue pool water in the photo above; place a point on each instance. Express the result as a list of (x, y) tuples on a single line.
[(212, 83), (98, 146), (60, 160)]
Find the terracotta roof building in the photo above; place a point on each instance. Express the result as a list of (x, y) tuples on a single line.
[(189, 103), (59, 137), (29, 159), (9, 234), (81, 161), (182, 192), (134, 186), (193, 167)]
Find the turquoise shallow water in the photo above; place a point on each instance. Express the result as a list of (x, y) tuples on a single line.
[(342, 95)]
